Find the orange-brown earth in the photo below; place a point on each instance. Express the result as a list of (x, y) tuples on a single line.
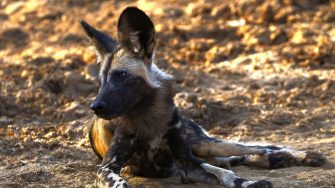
[(248, 70)]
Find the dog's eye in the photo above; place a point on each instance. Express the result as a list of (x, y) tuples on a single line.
[(120, 75)]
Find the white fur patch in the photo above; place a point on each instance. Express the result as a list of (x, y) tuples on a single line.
[(226, 177), (178, 125), (113, 160), (154, 70), (155, 75), (204, 130), (119, 181), (155, 143), (104, 65), (247, 183), (133, 36), (106, 168), (113, 176)]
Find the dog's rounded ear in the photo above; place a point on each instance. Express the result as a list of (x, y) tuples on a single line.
[(102, 42), (136, 32)]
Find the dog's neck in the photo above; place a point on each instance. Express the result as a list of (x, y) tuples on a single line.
[(151, 116)]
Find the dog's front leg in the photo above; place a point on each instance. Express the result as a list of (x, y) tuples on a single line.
[(120, 151), (193, 169), (188, 165)]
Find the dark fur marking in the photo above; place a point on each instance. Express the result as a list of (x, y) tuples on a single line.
[(261, 184), (281, 160), (196, 134), (314, 159), (273, 147), (238, 182), (120, 151), (237, 161), (175, 117), (275, 162)]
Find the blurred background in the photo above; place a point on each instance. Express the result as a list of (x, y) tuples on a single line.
[(247, 70)]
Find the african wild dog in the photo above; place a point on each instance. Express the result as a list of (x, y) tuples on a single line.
[(138, 125)]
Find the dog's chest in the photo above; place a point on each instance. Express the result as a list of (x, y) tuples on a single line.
[(155, 142), (157, 146)]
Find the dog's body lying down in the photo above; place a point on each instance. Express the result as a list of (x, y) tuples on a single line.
[(138, 125)]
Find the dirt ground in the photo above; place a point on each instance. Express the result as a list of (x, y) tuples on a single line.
[(249, 70)]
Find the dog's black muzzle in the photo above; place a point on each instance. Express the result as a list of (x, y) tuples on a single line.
[(98, 107)]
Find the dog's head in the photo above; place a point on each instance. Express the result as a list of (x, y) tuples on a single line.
[(127, 74)]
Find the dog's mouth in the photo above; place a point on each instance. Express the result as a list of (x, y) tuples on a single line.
[(106, 117)]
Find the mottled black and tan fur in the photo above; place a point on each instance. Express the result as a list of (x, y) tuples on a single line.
[(138, 125)]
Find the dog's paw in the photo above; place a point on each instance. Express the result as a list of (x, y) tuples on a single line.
[(260, 184), (314, 159), (108, 179), (243, 183), (109, 183), (281, 159)]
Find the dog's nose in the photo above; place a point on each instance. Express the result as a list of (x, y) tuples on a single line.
[(98, 107)]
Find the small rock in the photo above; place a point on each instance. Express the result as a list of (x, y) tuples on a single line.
[(215, 55), (13, 7), (3, 17), (222, 12), (50, 134), (266, 13), (41, 60), (278, 36), (76, 3), (36, 176), (221, 53), (54, 85), (301, 36), (283, 13), (45, 159), (202, 101), (50, 15), (282, 118), (74, 62), (4, 120), (218, 131), (194, 9), (15, 37), (72, 38), (77, 85), (197, 89), (264, 37), (198, 45), (173, 12), (254, 86), (192, 98)]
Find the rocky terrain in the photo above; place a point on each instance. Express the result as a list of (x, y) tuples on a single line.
[(247, 70)]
